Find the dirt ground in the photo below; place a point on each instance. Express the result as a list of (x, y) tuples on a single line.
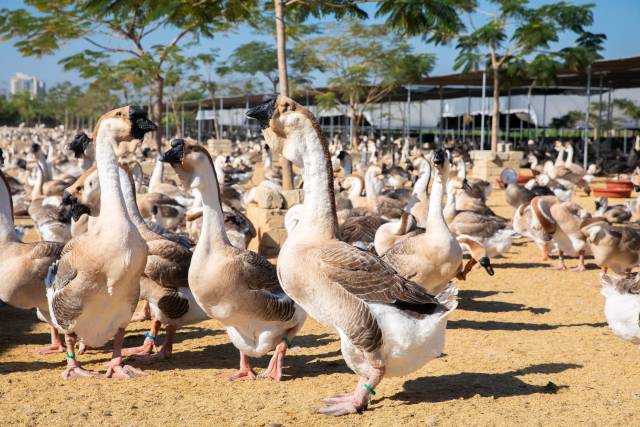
[(528, 346)]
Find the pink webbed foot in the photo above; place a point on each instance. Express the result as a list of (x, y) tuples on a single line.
[(75, 371), (559, 267), (115, 369), (50, 349), (240, 374), (147, 357), (345, 407), (146, 348), (578, 269), (338, 398), (274, 370)]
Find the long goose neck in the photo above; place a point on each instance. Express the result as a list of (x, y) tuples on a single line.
[(37, 192), (156, 175), (7, 230), (112, 205), (559, 159), (569, 160), (44, 165), (319, 200), (130, 199), (370, 191), (213, 232), (435, 218)]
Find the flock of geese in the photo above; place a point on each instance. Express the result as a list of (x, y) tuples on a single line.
[(372, 252)]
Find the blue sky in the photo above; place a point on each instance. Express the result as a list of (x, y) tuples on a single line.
[(618, 19)]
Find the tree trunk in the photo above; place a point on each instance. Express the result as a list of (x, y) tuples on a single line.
[(283, 79), (495, 116), (158, 112), (353, 132), (66, 120), (176, 119)]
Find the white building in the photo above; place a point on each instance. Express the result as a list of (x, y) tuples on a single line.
[(24, 83)]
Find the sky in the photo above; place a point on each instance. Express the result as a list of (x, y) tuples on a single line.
[(618, 19)]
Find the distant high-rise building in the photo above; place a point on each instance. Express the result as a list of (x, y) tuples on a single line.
[(24, 83)]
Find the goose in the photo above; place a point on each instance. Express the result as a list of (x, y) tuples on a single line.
[(387, 235), (622, 305), (527, 223), (477, 255), (418, 204), (93, 289), (235, 286), (613, 246), (491, 232), (617, 214), (431, 259), (156, 185), (24, 267), (48, 218), (388, 326), (574, 168), (562, 221), (164, 283), (517, 195)]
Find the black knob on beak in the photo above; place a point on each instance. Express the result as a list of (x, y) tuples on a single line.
[(67, 198), (176, 153), (263, 112), (439, 157), (486, 263)]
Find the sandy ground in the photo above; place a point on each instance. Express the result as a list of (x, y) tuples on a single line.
[(528, 346)]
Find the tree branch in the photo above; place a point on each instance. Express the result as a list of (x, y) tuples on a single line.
[(111, 49)]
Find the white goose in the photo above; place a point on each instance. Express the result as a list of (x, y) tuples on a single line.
[(387, 324), (94, 287)]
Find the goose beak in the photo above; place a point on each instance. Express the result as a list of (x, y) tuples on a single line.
[(1, 158), (175, 154), (465, 185), (486, 263), (67, 198), (263, 112), (140, 123), (79, 144), (439, 157)]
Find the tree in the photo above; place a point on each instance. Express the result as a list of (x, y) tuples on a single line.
[(525, 37), (208, 59), (364, 64), (120, 29), (629, 108), (254, 58), (288, 15)]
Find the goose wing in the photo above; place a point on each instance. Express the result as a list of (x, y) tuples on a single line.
[(266, 299), (476, 225), (370, 279), (65, 288), (356, 278), (360, 228), (168, 263), (40, 250)]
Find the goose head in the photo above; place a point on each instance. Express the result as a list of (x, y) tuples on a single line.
[(285, 123), (125, 124), (1, 158), (79, 144), (441, 164), (190, 162)]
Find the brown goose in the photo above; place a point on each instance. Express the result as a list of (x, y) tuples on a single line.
[(387, 324), (237, 287), (23, 267), (164, 283)]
